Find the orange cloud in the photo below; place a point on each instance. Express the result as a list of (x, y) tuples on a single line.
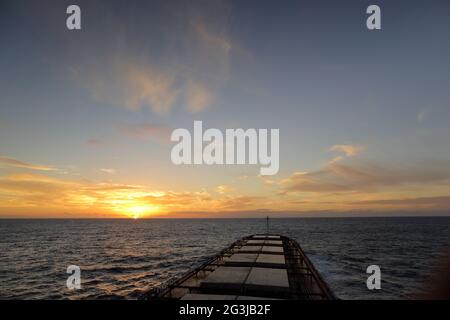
[(223, 189), (44, 195), (343, 186), (358, 176), (420, 203)]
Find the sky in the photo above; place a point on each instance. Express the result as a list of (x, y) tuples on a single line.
[(86, 115)]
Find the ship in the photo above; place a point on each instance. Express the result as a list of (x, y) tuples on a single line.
[(256, 267)]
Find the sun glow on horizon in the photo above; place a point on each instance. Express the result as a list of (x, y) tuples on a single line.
[(139, 211), (129, 203)]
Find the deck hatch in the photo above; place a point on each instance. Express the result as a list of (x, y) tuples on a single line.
[(255, 267)]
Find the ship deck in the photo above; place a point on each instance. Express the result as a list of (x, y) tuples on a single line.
[(257, 267)]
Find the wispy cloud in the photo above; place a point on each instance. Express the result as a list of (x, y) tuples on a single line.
[(198, 96), (108, 170), (146, 131), (195, 65), (238, 202), (358, 176), (222, 189), (423, 114), (11, 162), (146, 87), (94, 142), (134, 85), (348, 149), (425, 203)]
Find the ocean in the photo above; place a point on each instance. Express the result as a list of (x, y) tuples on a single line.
[(119, 259)]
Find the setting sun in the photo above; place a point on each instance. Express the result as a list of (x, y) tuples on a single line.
[(139, 211)]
